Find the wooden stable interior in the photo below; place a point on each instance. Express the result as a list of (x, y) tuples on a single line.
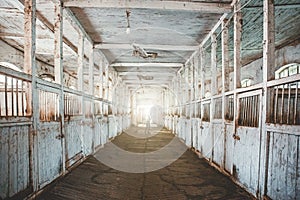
[(224, 76)]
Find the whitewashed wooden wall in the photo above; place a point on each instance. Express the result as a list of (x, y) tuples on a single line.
[(242, 134)]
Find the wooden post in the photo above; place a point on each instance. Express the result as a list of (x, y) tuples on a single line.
[(225, 78), (58, 70), (213, 88), (225, 57), (80, 62), (91, 90), (213, 65), (32, 101), (268, 74), (202, 79), (80, 81), (237, 60), (91, 71)]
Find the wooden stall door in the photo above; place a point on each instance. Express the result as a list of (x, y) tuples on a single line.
[(50, 152), (247, 140)]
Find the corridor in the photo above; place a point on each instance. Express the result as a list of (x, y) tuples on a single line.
[(189, 177)]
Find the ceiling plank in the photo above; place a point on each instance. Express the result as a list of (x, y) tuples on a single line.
[(135, 73), (147, 46), (152, 4), (138, 82), (146, 64)]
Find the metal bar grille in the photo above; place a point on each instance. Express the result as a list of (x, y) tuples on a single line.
[(249, 108), (285, 107)]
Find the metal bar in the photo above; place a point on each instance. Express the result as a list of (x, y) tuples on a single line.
[(256, 110), (5, 94), (282, 105), (275, 105), (288, 106), (22, 101), (17, 96), (296, 101), (251, 104), (12, 97)]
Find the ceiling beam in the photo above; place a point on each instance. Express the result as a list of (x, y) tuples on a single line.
[(152, 4), (147, 46), (138, 82), (158, 73), (146, 64)]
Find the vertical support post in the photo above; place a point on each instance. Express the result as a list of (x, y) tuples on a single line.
[(32, 106), (80, 62), (225, 57), (237, 60), (213, 87), (196, 76), (202, 79), (268, 74), (58, 69), (91, 70), (80, 82), (213, 65), (101, 78), (225, 83), (91, 90)]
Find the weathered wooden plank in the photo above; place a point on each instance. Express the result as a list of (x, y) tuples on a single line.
[(268, 74), (4, 164), (50, 152), (13, 161), (154, 4), (31, 92), (146, 46)]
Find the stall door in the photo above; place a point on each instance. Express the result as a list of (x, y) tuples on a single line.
[(247, 140), (49, 152)]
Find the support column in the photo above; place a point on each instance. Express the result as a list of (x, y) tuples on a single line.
[(80, 82), (32, 105), (202, 78), (91, 70), (213, 88), (91, 89), (237, 60), (268, 74), (58, 69), (225, 78), (213, 65)]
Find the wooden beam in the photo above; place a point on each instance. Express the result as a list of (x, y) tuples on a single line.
[(158, 73), (58, 72), (237, 46), (146, 81), (267, 95), (206, 38), (146, 64), (58, 44), (214, 86), (152, 4), (32, 98), (147, 46), (202, 76), (225, 57), (237, 33), (91, 71), (80, 62), (76, 24)]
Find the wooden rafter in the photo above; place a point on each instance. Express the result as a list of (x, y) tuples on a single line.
[(147, 46), (152, 4)]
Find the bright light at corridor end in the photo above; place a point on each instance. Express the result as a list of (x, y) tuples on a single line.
[(149, 108)]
